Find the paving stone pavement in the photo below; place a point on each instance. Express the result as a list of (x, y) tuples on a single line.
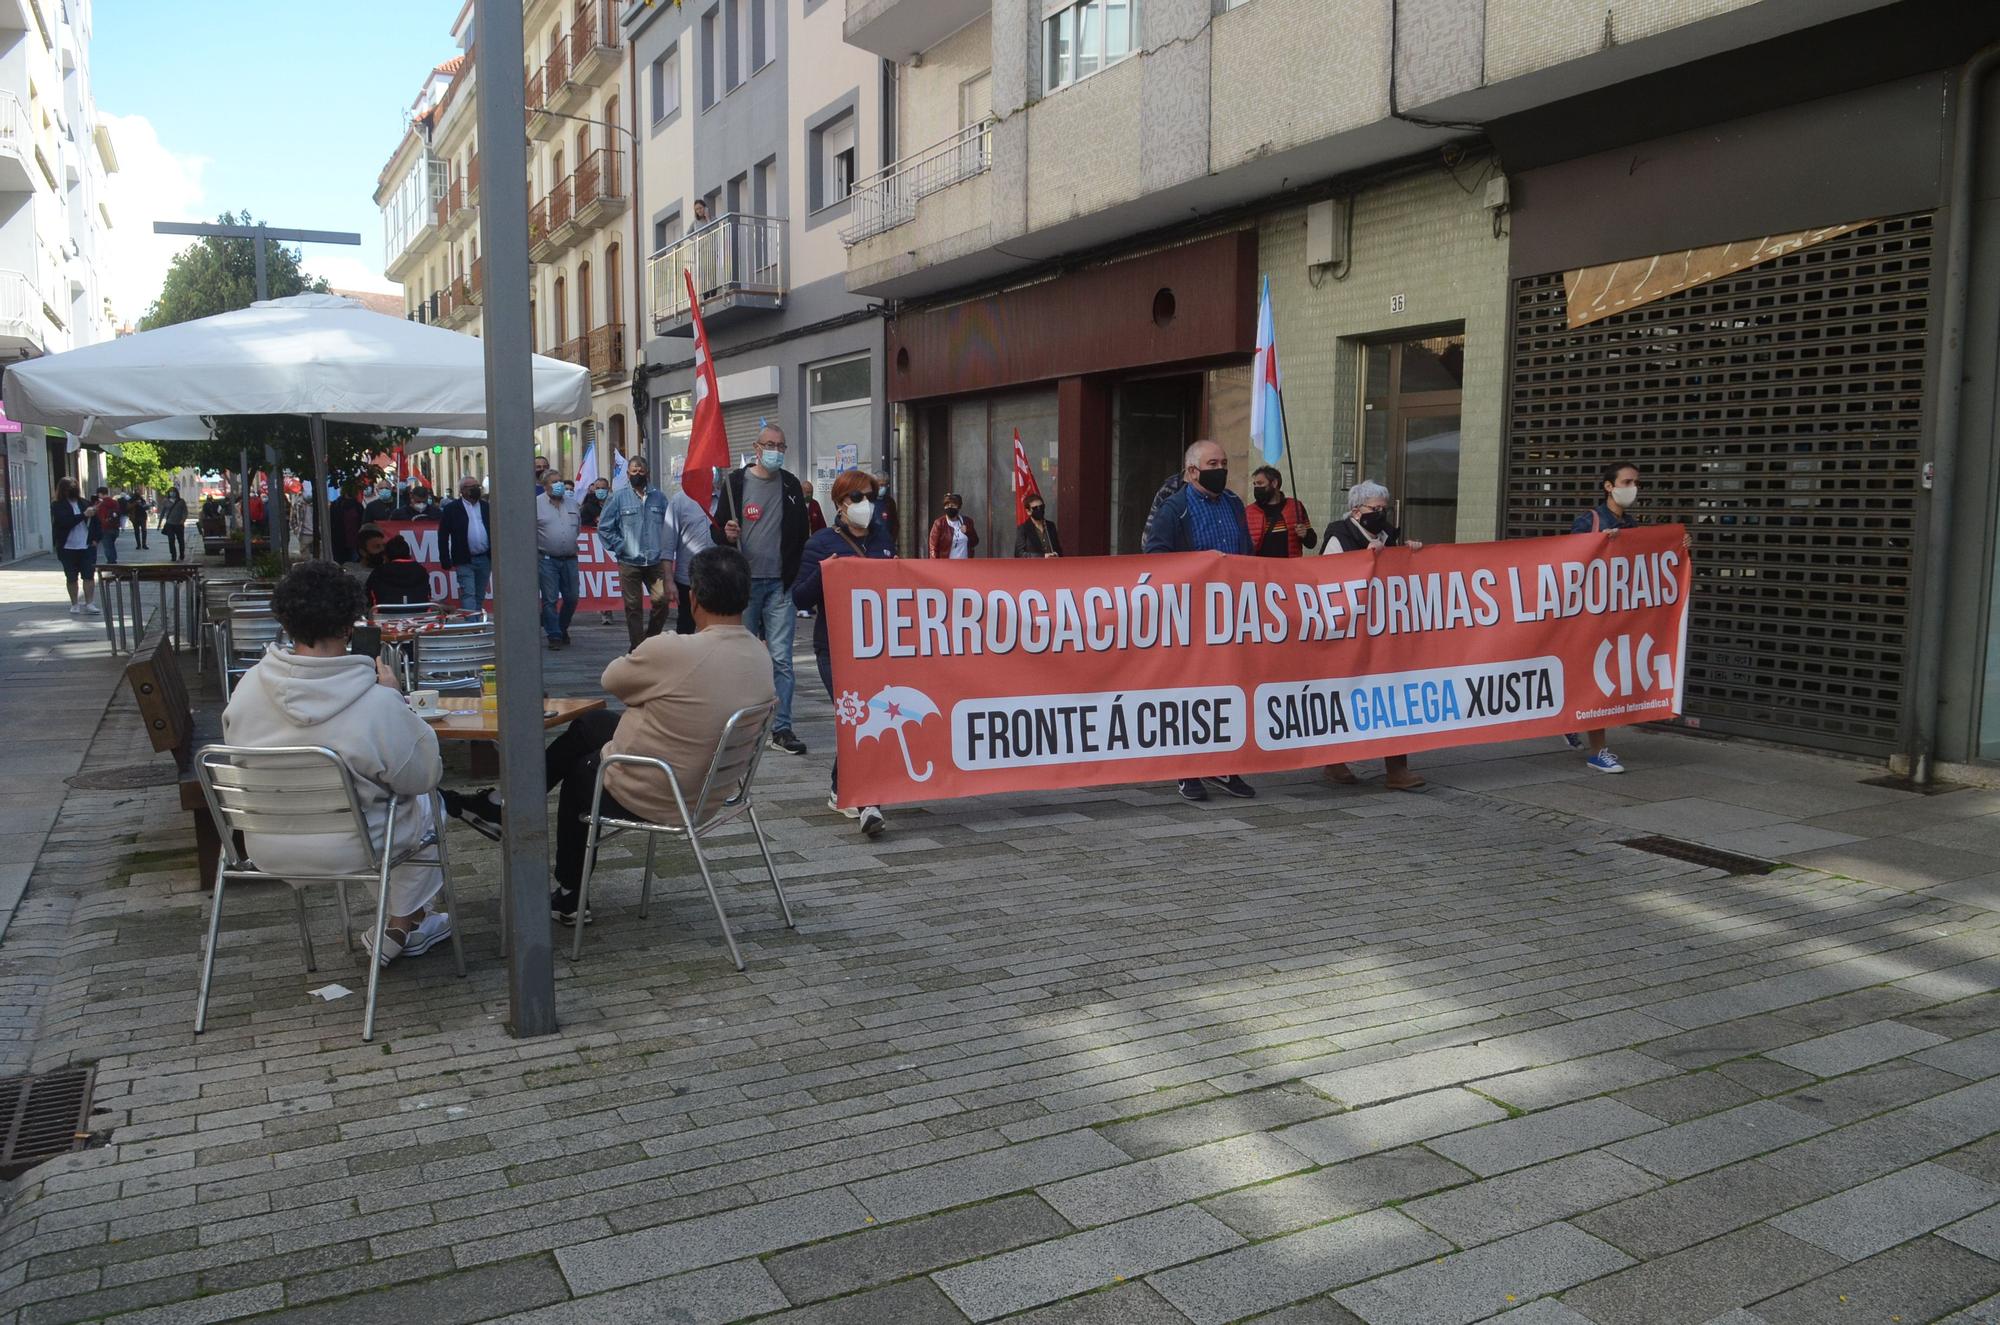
[(1331, 1055)]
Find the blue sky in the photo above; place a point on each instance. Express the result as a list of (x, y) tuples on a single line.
[(288, 109)]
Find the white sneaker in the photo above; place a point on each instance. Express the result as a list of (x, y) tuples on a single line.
[(76, 609), (92, 609), (833, 803), (434, 929), (872, 822)]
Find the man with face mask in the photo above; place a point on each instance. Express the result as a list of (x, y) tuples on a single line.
[(636, 527), (557, 527), (382, 506), (541, 474), (418, 508), (1367, 528), (953, 535), (1202, 515), (465, 550), (761, 511), (1279, 525)]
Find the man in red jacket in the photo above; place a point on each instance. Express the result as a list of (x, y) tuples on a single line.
[(1279, 525)]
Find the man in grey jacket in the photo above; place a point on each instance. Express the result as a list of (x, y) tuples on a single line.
[(637, 529)]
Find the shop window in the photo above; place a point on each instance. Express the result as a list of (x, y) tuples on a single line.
[(839, 412)]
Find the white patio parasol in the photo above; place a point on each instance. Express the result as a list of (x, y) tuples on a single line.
[(323, 356)]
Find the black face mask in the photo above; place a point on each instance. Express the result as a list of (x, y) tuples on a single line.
[(1375, 522), (638, 481), (1265, 496), (1035, 512), (1214, 480), (951, 512)]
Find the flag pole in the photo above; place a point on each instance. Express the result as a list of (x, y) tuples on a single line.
[(1291, 472)]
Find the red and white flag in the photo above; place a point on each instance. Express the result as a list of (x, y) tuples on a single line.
[(708, 443), (1024, 481)]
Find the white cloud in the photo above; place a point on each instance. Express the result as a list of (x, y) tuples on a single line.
[(344, 271), (151, 184)]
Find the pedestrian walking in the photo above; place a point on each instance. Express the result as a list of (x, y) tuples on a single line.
[(637, 529), (1367, 528), (593, 507), (382, 506), (1037, 536), (858, 530), (762, 513), (420, 509), (465, 550), (557, 527), (136, 510), (1202, 515), (953, 535), (108, 520), (173, 523), (694, 535), (74, 523), (1279, 525)]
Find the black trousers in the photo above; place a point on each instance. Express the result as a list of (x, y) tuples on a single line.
[(176, 539), (570, 763), (684, 614)]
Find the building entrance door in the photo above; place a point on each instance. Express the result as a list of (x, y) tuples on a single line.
[(1412, 391), (1152, 427)]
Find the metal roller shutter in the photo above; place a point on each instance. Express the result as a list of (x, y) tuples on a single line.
[(1778, 411), (742, 422)]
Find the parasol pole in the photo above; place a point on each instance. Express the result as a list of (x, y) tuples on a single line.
[(243, 498), (322, 536)]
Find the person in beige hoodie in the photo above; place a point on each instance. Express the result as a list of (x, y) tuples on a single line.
[(679, 691), (314, 692)]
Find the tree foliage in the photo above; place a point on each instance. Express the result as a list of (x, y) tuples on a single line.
[(135, 465), (213, 276)]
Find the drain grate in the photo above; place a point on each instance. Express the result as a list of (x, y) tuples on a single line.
[(43, 1116), (1696, 854), (125, 777), (1895, 783)]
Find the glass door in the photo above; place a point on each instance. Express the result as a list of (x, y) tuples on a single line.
[(1412, 396)]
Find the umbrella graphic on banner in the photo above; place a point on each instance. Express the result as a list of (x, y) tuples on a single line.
[(891, 710)]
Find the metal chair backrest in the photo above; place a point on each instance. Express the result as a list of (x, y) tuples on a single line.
[(453, 652), (251, 626), (283, 791), (404, 609), (734, 766)]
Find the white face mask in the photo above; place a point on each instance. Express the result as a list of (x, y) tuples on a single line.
[(860, 513), (772, 459), (1625, 494)]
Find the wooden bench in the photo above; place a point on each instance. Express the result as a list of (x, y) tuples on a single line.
[(155, 677)]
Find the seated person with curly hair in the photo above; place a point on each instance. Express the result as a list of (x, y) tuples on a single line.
[(314, 692)]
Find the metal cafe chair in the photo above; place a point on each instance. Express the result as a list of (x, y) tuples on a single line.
[(306, 791), (449, 658), (247, 626), (724, 794), (215, 596)]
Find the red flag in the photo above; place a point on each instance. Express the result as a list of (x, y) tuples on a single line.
[(1024, 481), (708, 443)]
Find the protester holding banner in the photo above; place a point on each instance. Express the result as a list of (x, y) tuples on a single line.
[(1202, 515), (857, 531), (953, 535), (465, 551), (1619, 485), (637, 530), (1279, 525), (556, 532), (762, 512), (1367, 529), (1037, 536)]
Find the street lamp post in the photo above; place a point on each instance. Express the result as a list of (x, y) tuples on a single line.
[(259, 235)]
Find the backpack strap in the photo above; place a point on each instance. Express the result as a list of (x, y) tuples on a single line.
[(1596, 526)]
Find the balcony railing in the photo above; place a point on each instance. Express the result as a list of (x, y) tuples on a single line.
[(597, 187), (556, 71), (535, 95), (572, 351), (19, 302), (888, 198), (593, 41), (538, 227), (472, 181), (738, 261), (607, 351)]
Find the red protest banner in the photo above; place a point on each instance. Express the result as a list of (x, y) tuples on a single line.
[(965, 677), (596, 572)]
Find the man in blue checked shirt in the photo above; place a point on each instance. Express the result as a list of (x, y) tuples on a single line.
[(1203, 515), (638, 532)]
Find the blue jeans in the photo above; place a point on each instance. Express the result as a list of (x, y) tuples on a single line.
[(773, 619), (108, 543), (473, 577), (558, 578)]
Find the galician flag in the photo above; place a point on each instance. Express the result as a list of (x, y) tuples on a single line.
[(1024, 481), (708, 443), (1267, 415)]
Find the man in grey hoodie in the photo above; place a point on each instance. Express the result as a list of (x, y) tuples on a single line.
[(315, 692)]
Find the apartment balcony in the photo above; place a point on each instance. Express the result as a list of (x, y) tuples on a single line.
[(472, 182), (446, 205), (564, 229), (890, 197), (459, 212), (606, 355), (739, 264), (898, 29), (572, 351), (21, 326), (598, 188), (562, 94), (17, 149), (535, 98), (593, 43), (464, 298), (540, 246)]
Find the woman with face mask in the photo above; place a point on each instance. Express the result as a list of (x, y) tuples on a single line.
[(857, 531), (953, 535), (1369, 528), (1618, 486), (1037, 535)]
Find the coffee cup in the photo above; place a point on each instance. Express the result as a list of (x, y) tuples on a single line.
[(423, 700)]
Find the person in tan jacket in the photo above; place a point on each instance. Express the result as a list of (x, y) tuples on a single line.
[(679, 691)]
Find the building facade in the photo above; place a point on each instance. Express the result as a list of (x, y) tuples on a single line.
[(1506, 244), (757, 111), (54, 222)]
